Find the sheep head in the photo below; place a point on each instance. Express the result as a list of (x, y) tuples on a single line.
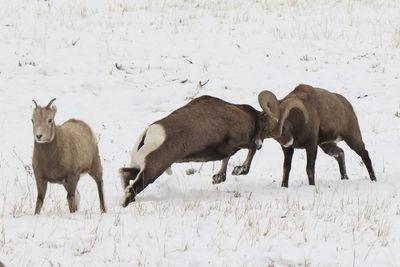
[(271, 121), (44, 127)]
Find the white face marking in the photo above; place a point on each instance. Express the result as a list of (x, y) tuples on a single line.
[(289, 143)]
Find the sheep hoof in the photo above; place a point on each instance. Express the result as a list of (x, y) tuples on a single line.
[(345, 177), (240, 170), (219, 178)]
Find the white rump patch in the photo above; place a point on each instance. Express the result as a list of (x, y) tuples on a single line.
[(135, 149), (289, 143), (155, 136)]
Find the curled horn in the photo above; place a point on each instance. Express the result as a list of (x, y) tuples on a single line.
[(51, 102), (286, 106), (270, 105), (36, 105)]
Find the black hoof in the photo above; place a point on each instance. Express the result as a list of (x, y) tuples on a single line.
[(240, 170), (219, 178), (345, 177)]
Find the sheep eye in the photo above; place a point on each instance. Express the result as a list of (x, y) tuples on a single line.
[(50, 121)]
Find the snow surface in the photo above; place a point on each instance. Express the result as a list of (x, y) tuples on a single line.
[(120, 65)]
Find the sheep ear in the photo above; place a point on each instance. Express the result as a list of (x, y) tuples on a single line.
[(49, 104), (36, 105)]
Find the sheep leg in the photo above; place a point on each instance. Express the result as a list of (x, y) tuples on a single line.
[(70, 186), (221, 175), (311, 156), (155, 164), (99, 184), (245, 167), (41, 188), (97, 176), (359, 148), (333, 150), (287, 165)]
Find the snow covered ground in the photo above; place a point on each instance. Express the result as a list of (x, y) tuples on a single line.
[(120, 65)]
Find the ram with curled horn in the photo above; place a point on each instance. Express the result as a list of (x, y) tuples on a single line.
[(309, 117)]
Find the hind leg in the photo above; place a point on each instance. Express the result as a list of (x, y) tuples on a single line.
[(97, 174), (333, 150), (358, 146)]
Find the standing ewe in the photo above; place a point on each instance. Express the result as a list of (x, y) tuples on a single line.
[(205, 129), (309, 117), (62, 153)]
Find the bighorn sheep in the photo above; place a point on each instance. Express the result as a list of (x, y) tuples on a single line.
[(205, 129), (62, 153), (309, 117)]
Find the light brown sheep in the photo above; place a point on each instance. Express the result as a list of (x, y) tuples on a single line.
[(62, 153)]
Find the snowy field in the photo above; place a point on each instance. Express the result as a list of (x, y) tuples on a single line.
[(120, 65)]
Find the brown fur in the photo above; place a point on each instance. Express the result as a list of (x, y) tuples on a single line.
[(325, 117), (71, 152), (205, 129)]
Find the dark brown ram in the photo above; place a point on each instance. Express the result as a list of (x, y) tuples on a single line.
[(205, 129), (309, 117)]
